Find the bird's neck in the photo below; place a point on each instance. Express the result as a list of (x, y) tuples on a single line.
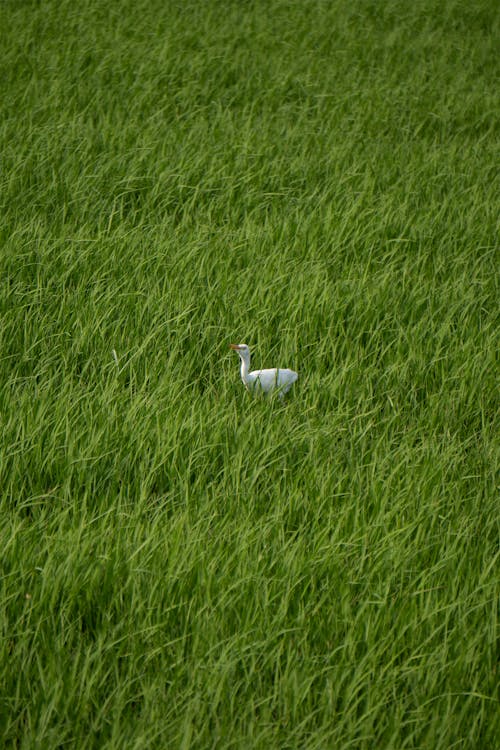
[(245, 366)]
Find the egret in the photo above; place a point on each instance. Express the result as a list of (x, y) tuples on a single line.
[(264, 381)]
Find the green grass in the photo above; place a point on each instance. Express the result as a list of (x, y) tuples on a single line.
[(182, 565)]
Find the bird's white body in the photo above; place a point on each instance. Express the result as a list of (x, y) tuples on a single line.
[(263, 381)]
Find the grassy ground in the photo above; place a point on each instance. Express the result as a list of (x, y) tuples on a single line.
[(183, 566)]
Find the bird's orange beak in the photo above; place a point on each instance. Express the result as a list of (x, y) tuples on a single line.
[(234, 346)]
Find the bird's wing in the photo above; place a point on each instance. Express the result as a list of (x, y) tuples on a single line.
[(286, 376), (267, 380), (264, 380)]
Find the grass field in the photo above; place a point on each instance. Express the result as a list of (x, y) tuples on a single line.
[(183, 566)]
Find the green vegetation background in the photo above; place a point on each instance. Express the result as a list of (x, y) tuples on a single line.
[(183, 566)]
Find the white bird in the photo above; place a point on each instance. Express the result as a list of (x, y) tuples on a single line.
[(263, 381)]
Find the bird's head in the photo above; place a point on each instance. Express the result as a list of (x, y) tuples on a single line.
[(242, 349)]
